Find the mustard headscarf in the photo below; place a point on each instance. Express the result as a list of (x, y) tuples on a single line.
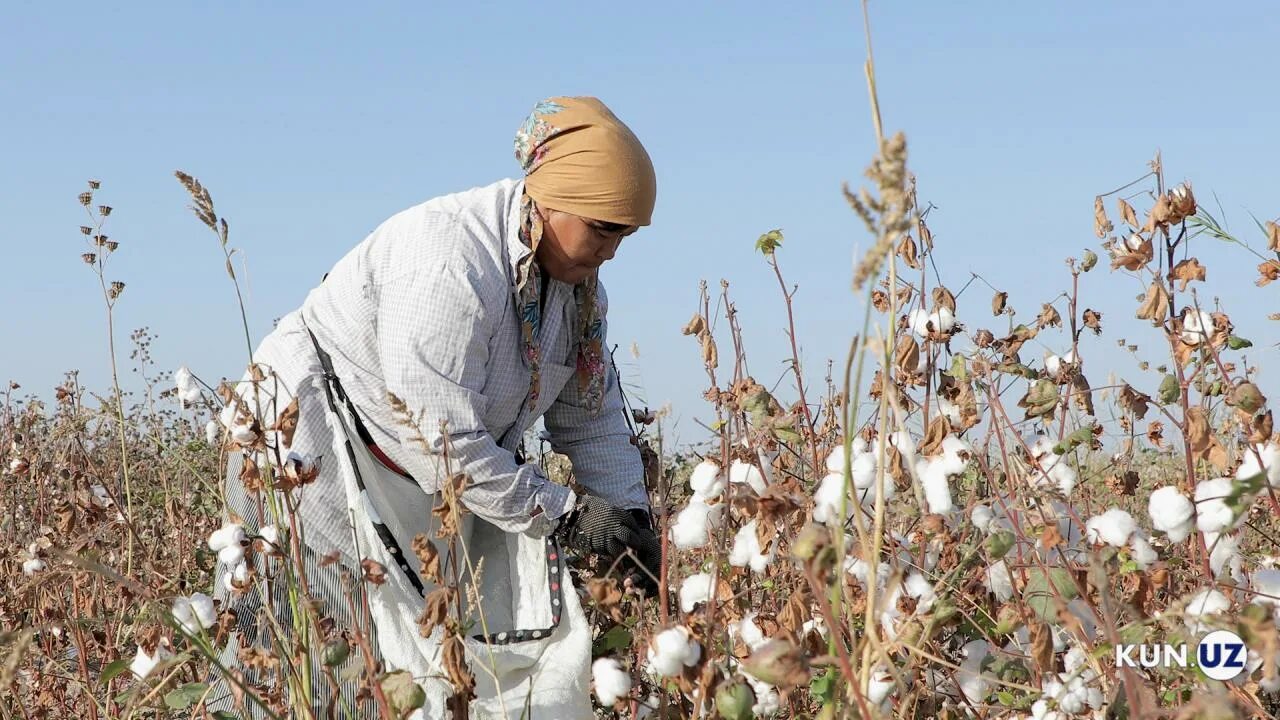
[(579, 158)]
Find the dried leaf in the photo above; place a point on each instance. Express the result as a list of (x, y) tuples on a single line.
[(429, 556), (1093, 320), (907, 251), (374, 571), (1260, 428), (1155, 434), (1270, 272), (1127, 214), (1187, 271), (998, 302), (709, 354), (435, 609), (1101, 225), (696, 326), (1155, 305), (1082, 393), (1273, 237), (939, 429), (942, 297), (1133, 258), (1040, 400), (1042, 645), (907, 357), (1134, 401), (287, 423), (1049, 317)]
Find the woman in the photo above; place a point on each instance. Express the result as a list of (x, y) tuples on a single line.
[(480, 312)]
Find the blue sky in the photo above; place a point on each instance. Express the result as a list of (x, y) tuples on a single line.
[(313, 123)]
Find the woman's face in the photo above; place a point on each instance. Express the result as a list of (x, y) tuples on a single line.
[(572, 247)]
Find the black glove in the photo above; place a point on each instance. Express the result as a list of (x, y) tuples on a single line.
[(594, 526)]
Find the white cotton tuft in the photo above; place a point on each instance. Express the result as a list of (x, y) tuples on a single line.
[(943, 320), (767, 703), (227, 535), (937, 491), (1224, 553), (974, 684), (999, 581), (671, 650), (693, 525), (919, 587), (229, 414), (981, 517), (1171, 513), (270, 534), (951, 411), (238, 574), (1269, 464), (610, 680), (1212, 512), (1134, 242), (243, 434), (827, 499), (695, 589), (144, 664), (194, 613), (1197, 326), (1202, 604), (1142, 552), (707, 481), (879, 685), (33, 566), (919, 321), (100, 496), (188, 388), (1112, 527), (955, 455), (751, 634), (746, 473), (747, 552), (835, 460)]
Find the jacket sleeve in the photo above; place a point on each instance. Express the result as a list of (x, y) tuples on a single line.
[(433, 331), (599, 446)]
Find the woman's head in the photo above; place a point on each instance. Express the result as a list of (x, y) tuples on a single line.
[(592, 181)]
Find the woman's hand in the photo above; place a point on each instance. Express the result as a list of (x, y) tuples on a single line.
[(594, 527)]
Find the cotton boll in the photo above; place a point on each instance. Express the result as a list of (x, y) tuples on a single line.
[(750, 633), (707, 481), (194, 613), (188, 388), (270, 534), (999, 581), (243, 434), (859, 569), (974, 684), (1062, 475), (1203, 604), (143, 664), (693, 525), (1142, 552), (950, 411), (937, 492), (1112, 527), (231, 554), (981, 517), (955, 455), (879, 685), (864, 470), (610, 680), (694, 589), (33, 566), (225, 536), (671, 650), (919, 321), (919, 587), (1041, 447), (1171, 513), (229, 414), (1197, 325), (238, 575), (767, 703), (746, 473), (1269, 464), (943, 320), (1212, 512), (1224, 553), (827, 499), (835, 460), (747, 552)]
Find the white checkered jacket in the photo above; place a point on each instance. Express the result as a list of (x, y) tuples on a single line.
[(425, 309)]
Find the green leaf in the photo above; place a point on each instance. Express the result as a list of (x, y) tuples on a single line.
[(185, 696), (1235, 342), (1170, 391), (823, 687), (959, 369), (1039, 593), (113, 670), (769, 242), (617, 638), (999, 544), (1082, 436), (224, 715), (1005, 697)]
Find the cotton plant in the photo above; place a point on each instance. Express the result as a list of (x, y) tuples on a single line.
[(922, 322), (672, 650), (747, 552), (1172, 513), (188, 389), (1203, 605), (144, 663), (695, 589), (194, 613), (610, 681), (935, 473), (742, 473), (694, 524), (1052, 470)]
